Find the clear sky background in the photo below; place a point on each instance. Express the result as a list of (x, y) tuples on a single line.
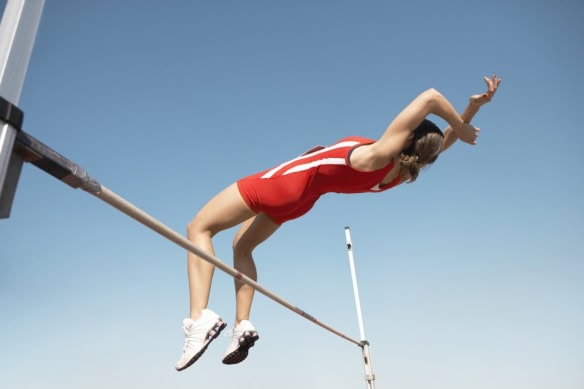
[(473, 277)]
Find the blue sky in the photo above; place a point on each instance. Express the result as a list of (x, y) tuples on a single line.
[(471, 277)]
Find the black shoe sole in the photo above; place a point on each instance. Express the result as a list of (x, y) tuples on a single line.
[(246, 341)]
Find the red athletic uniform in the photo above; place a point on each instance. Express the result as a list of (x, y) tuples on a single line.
[(290, 189)]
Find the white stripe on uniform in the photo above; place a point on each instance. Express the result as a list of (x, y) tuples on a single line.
[(325, 161)]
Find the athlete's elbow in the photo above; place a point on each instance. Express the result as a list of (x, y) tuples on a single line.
[(432, 100), (431, 95)]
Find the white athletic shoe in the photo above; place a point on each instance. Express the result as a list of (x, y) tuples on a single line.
[(199, 333), (243, 338)]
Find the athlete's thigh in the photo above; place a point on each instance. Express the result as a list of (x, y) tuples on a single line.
[(225, 210)]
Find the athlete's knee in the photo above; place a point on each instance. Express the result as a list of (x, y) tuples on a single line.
[(252, 234), (245, 242), (198, 227), (241, 248)]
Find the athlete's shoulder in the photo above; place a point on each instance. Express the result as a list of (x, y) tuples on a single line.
[(355, 140)]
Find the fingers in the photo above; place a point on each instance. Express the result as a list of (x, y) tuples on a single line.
[(476, 135), (468, 134), (496, 80), (492, 85)]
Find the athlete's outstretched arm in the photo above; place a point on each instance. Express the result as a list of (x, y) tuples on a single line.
[(475, 102), (397, 135)]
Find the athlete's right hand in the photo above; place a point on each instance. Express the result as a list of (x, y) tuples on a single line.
[(484, 98)]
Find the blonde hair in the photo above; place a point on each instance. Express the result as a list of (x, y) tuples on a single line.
[(424, 149)]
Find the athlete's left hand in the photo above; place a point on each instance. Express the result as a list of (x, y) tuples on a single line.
[(467, 133)]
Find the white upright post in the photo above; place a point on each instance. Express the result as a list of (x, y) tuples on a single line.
[(369, 376), (18, 30)]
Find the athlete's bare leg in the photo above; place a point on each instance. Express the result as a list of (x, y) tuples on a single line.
[(252, 232), (225, 210)]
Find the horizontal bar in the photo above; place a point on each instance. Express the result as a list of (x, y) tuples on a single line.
[(75, 176), (137, 214)]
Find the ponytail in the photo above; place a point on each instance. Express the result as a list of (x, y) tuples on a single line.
[(424, 150)]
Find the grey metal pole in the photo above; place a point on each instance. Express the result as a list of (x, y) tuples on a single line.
[(369, 376), (18, 30)]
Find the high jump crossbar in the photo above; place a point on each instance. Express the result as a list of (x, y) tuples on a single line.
[(47, 159)]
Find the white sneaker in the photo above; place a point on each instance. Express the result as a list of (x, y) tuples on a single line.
[(243, 338), (199, 333)]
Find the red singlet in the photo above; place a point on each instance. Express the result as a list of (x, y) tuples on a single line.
[(290, 189)]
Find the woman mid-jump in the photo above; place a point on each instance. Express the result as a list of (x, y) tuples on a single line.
[(264, 201)]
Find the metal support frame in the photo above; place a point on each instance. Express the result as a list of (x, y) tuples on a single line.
[(18, 30), (369, 376)]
